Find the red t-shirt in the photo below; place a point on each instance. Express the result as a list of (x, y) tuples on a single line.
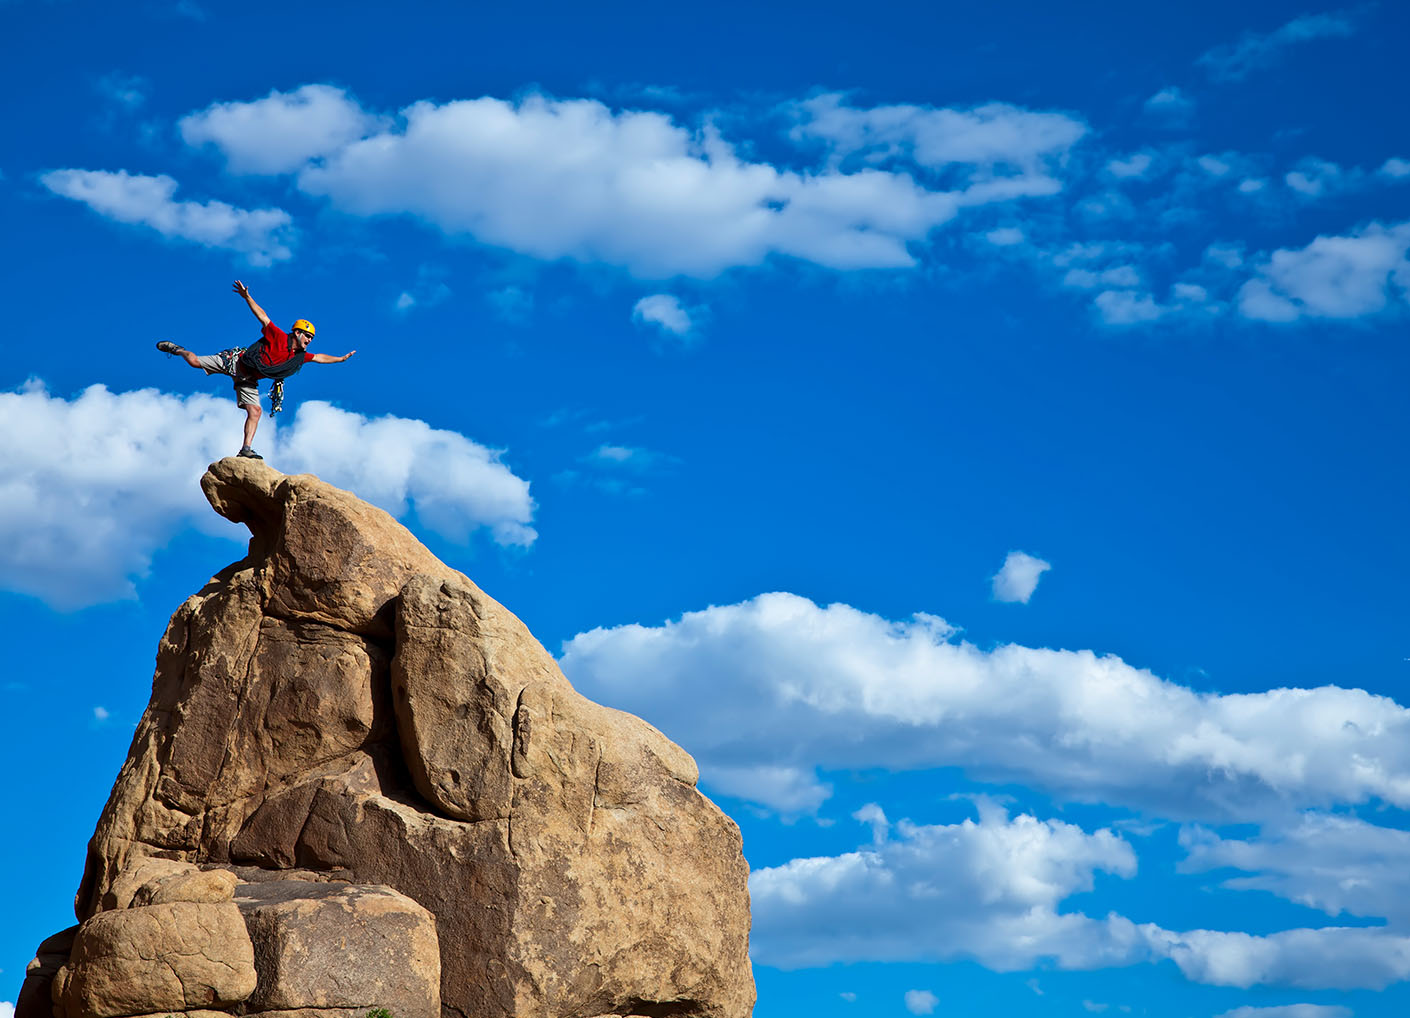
[(275, 347), (273, 356)]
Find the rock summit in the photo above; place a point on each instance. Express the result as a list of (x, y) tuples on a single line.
[(362, 783)]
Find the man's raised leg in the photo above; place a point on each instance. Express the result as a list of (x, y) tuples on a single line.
[(167, 346)]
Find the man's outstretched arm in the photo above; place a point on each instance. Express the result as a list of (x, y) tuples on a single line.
[(244, 291), (328, 358)]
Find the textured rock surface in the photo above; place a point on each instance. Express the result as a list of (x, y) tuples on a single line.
[(325, 946), (157, 958), (342, 707)]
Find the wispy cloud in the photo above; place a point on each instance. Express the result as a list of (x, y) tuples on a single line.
[(262, 236), (1254, 51), (128, 91)]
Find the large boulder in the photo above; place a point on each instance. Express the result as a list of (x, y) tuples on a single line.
[(172, 957), (341, 946), (342, 708)]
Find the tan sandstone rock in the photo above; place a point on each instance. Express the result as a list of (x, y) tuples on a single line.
[(209, 886), (157, 958), (341, 706), (331, 946)]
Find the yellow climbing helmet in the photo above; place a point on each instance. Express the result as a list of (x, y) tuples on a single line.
[(305, 324)]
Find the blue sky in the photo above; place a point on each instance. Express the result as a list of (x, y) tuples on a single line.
[(974, 431)]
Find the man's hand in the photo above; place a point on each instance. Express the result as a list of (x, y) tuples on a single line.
[(327, 358), (244, 291)]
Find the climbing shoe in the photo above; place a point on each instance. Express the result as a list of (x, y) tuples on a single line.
[(249, 453), (167, 346)]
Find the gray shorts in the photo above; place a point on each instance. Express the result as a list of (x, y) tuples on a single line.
[(227, 362)]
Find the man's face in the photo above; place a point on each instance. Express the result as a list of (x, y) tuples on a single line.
[(301, 340)]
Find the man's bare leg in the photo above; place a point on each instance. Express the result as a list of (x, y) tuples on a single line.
[(252, 416), (179, 351)]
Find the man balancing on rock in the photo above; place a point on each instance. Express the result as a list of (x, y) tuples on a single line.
[(277, 355)]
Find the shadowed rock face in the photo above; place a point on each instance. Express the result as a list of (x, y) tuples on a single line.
[(341, 707)]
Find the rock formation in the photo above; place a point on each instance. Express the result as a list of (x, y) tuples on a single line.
[(362, 783)]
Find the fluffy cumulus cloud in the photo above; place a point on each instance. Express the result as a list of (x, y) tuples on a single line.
[(260, 235), (986, 890), (454, 485), (664, 311), (1333, 277), (282, 131), (1256, 50), (858, 690), (991, 891), (576, 179), (1018, 577), (95, 485)]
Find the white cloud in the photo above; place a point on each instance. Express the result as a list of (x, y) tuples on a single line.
[(575, 179), (1396, 169), (1337, 864), (405, 302), (981, 139), (1214, 165), (1018, 577), (282, 131), (1005, 236), (454, 485), (1134, 166), (664, 311), (1290, 1011), (1235, 61), (874, 817), (1332, 277), (1094, 1007), (1128, 307), (7, 1009), (990, 891), (921, 1001), (100, 714), (856, 690), (1315, 177), (260, 235), (571, 179), (846, 995), (94, 486), (1170, 103), (1331, 958), (985, 890), (624, 455), (1227, 256)]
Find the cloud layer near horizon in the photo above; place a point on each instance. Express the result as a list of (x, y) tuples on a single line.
[(104, 480)]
